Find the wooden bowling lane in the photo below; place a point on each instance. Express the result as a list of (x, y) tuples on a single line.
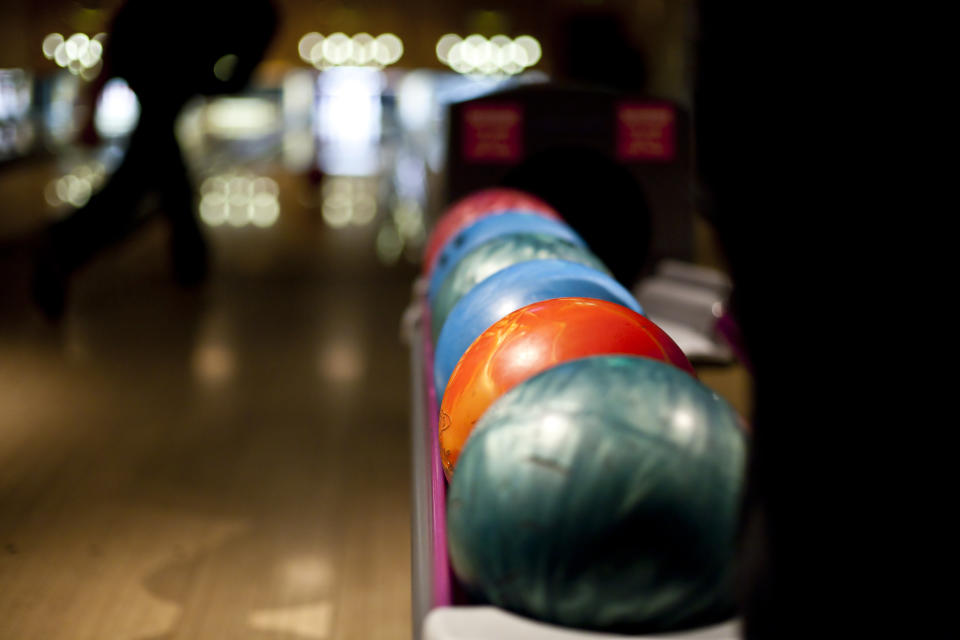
[(225, 463)]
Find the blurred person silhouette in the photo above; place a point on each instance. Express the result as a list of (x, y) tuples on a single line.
[(167, 53)]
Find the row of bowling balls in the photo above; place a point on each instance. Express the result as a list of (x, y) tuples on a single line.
[(594, 481)]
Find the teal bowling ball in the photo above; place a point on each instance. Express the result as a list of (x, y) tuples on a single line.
[(498, 254), (603, 494), (488, 228)]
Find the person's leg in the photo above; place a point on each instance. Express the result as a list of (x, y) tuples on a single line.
[(152, 162), (188, 247), (72, 242)]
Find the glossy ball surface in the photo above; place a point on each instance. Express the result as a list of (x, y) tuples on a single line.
[(602, 493), (532, 339), (476, 205), (495, 255), (508, 290), (489, 228)]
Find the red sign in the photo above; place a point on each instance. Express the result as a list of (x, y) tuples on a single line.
[(493, 133), (645, 131)]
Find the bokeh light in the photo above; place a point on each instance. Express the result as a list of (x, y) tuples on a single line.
[(349, 200), (339, 49), (500, 55), (239, 199), (389, 243), (224, 67), (242, 117), (213, 363), (118, 109), (80, 54), (75, 188)]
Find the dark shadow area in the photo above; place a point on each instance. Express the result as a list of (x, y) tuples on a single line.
[(843, 529), (595, 49), (600, 199)]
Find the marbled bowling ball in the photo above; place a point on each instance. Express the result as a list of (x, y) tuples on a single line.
[(601, 493), (508, 290), (500, 253), (477, 205), (486, 229), (537, 337)]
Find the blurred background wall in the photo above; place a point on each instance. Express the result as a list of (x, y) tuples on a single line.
[(660, 28)]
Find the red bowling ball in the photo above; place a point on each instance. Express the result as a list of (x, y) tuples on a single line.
[(477, 205), (532, 339)]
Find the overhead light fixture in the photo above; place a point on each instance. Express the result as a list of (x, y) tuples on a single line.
[(500, 55), (80, 54), (339, 49)]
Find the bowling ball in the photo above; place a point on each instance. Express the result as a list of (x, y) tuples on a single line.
[(485, 229), (508, 290), (497, 254), (601, 493), (477, 205), (534, 338)]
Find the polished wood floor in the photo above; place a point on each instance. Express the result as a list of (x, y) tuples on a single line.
[(230, 462)]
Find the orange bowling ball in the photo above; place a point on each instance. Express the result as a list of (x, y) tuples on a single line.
[(532, 339), (475, 206)]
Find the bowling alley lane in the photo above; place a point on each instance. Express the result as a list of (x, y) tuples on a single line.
[(227, 462)]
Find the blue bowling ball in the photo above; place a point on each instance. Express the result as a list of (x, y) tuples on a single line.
[(508, 290), (488, 228), (602, 493), (499, 253)]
